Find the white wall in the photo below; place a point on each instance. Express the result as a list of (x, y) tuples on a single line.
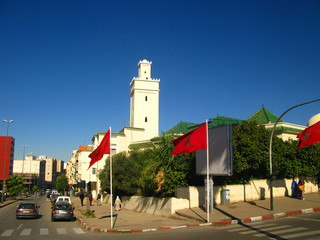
[(255, 190)]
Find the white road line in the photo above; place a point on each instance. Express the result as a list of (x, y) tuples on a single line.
[(264, 229), (242, 228), (7, 233), (44, 231), (78, 230), (25, 232), (281, 231), (61, 231), (19, 226), (303, 234)]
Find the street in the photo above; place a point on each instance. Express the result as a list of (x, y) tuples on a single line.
[(304, 226)]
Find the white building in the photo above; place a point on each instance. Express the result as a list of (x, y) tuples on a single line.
[(28, 166), (144, 125)]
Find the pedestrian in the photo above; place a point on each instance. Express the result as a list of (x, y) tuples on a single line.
[(48, 196), (90, 199), (294, 188), (300, 188), (81, 195), (99, 200), (118, 204)]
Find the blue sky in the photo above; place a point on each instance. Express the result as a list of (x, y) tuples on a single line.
[(66, 66)]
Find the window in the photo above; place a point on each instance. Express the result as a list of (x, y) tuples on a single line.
[(146, 119), (146, 98), (93, 170)]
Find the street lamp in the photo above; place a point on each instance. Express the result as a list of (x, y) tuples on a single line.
[(23, 158), (5, 159), (270, 148)]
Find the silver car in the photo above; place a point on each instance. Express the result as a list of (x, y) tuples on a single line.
[(62, 211), (27, 210)]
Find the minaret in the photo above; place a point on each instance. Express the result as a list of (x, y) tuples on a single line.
[(144, 101)]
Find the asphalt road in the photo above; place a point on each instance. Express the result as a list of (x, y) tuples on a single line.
[(305, 226)]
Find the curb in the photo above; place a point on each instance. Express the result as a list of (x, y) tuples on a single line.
[(237, 221)]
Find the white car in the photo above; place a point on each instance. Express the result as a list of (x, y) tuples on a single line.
[(64, 199)]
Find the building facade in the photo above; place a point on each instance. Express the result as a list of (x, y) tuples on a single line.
[(144, 125), (6, 156), (41, 171)]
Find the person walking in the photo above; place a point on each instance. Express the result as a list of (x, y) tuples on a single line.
[(81, 197), (294, 188), (300, 187), (118, 203), (99, 200), (90, 199)]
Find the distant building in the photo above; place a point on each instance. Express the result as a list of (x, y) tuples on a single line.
[(28, 169), (42, 171)]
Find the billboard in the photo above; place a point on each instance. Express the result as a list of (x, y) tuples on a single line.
[(220, 153)]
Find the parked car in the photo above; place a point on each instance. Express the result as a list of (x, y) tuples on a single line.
[(54, 198), (64, 199), (62, 211), (27, 210)]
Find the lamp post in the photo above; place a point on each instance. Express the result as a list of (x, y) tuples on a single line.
[(270, 148), (5, 160), (23, 158)]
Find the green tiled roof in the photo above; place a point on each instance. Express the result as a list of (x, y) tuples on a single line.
[(220, 121), (263, 116), (181, 128)]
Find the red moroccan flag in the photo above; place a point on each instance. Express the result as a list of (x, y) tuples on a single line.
[(103, 148), (310, 135), (191, 141)]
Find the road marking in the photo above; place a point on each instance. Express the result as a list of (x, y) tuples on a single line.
[(242, 228), (61, 231), (7, 233), (25, 232), (264, 229), (78, 230), (309, 219), (19, 226), (281, 231), (44, 231), (301, 234)]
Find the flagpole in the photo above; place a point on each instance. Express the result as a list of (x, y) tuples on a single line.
[(208, 186), (111, 196)]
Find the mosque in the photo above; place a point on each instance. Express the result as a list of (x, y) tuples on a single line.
[(143, 131)]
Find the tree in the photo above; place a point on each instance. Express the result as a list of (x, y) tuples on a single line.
[(35, 188), (14, 185), (61, 183)]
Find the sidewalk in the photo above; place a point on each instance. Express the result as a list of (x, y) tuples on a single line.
[(131, 221)]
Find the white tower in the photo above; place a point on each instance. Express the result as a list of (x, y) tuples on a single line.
[(144, 101)]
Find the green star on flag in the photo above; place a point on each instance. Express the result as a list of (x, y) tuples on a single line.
[(187, 142), (306, 136)]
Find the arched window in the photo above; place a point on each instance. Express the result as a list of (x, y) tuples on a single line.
[(146, 119)]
